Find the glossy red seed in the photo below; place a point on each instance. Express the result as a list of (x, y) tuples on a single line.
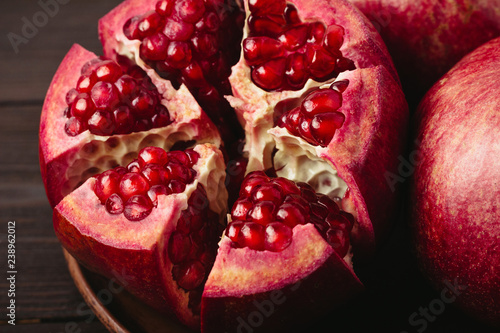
[(241, 208), (251, 235), (291, 214), (278, 237), (204, 44), (252, 180), (321, 63), (267, 7), (155, 191), (154, 47), (164, 7), (178, 30), (333, 39), (287, 186), (178, 171), (90, 66), (294, 37), (323, 126), (292, 121), (105, 95), (82, 107), (340, 85), (176, 186), (267, 192), (233, 230), (338, 240), (144, 105), (179, 246), (178, 54), (155, 174), (137, 207), (131, 28), (190, 10), (101, 123), (262, 212), (328, 203), (266, 26), (108, 71), (317, 32), (106, 184), (149, 23), (269, 75), (191, 275), (321, 101), (123, 120), (257, 50), (305, 131), (179, 156), (296, 71), (126, 85), (71, 95), (134, 166), (162, 117), (131, 184), (114, 204), (291, 14), (193, 156), (86, 82), (155, 155)]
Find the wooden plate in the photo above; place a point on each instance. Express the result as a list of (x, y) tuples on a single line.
[(118, 310)]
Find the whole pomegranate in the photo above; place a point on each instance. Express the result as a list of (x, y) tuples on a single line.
[(455, 192), (136, 169), (427, 37)]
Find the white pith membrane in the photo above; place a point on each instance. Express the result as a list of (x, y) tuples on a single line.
[(105, 152)]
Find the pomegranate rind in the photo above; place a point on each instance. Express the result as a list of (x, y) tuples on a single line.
[(308, 272), (67, 161), (136, 253), (454, 191)]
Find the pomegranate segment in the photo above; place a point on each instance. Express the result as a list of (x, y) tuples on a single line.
[(112, 99), (283, 52), (268, 209), (194, 42), (167, 172)]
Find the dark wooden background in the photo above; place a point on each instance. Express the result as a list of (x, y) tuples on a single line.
[(46, 299)]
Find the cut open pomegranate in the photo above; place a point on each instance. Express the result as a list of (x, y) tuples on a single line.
[(324, 120)]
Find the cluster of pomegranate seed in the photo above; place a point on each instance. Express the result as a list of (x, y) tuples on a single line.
[(194, 40), (134, 190), (317, 117), (284, 52), (109, 99), (193, 246), (268, 209)]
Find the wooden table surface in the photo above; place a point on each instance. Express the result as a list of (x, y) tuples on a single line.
[(46, 298)]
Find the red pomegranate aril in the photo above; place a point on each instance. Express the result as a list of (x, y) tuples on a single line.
[(176, 186), (253, 179), (267, 7), (323, 126), (251, 235), (290, 214), (126, 85), (193, 156), (233, 230), (85, 83), (106, 184), (74, 126), (154, 47), (278, 237), (190, 10), (241, 208), (321, 101), (144, 104), (294, 37), (321, 63), (178, 54), (292, 121), (114, 204), (193, 75), (123, 120), (179, 172), (179, 246), (305, 131), (134, 166), (317, 32), (205, 44), (105, 95), (340, 85), (154, 155), (82, 106), (319, 210), (71, 95), (328, 203), (258, 49), (178, 31), (108, 71), (262, 212), (334, 38), (164, 7), (349, 218), (150, 23), (265, 26), (180, 156), (296, 71), (90, 66), (191, 275), (269, 75), (131, 184), (155, 191), (286, 185), (155, 174), (291, 14), (162, 117), (338, 240), (137, 207), (267, 192), (101, 123)]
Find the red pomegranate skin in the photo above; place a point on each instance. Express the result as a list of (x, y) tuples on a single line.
[(427, 37), (455, 188)]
